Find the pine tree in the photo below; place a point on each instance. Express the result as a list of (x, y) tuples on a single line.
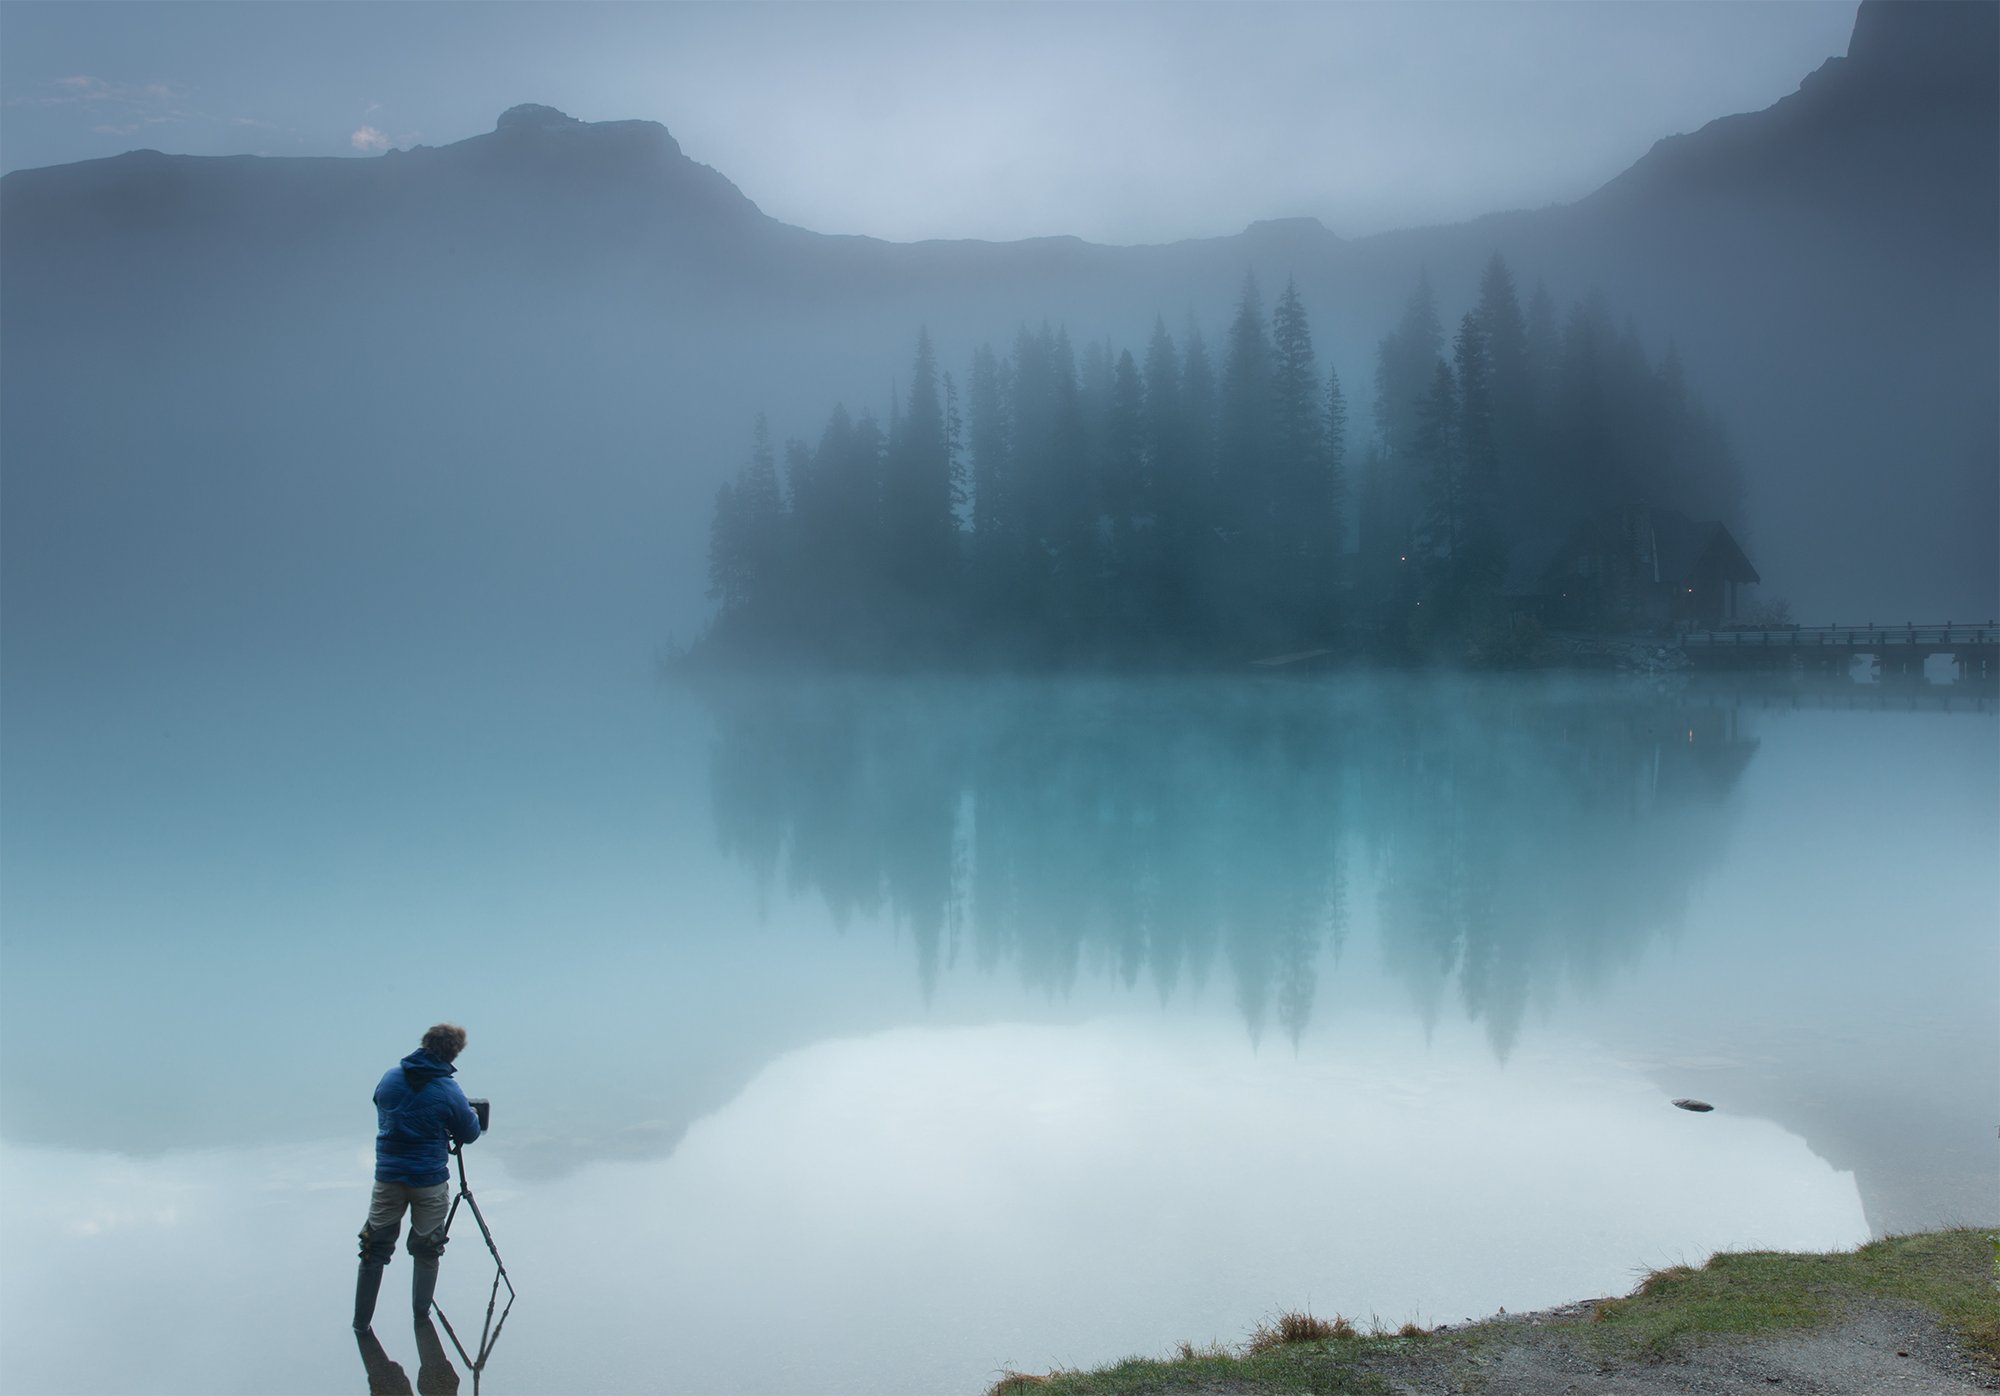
[(1583, 416), (1298, 503), (1510, 388), (761, 514), (1199, 412), (1244, 503), (1165, 436), (746, 551), (1093, 401), (954, 453), (728, 569), (1539, 487), (1437, 452), (1405, 369), (1128, 500), (1127, 490), (1167, 570), (1076, 596), (1245, 445), (987, 437), (1336, 436), (820, 523), (1472, 363), (920, 525), (1544, 345), (1336, 478), (763, 501), (1406, 365), (861, 470)]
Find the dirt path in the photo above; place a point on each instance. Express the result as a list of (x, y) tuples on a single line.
[(1880, 1348)]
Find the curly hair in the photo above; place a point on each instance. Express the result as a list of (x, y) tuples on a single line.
[(445, 1041)]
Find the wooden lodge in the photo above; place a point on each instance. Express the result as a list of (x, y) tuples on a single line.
[(1637, 567)]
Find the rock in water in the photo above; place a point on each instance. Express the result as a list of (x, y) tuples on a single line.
[(1699, 1106)]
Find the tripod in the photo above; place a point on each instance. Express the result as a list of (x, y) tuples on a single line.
[(489, 1335)]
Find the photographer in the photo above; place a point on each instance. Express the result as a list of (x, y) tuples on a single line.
[(419, 1111)]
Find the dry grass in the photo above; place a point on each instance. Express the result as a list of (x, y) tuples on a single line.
[(1954, 1274), (1306, 1327)]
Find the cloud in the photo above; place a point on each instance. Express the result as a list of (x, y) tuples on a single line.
[(368, 138), (81, 87), (151, 101)]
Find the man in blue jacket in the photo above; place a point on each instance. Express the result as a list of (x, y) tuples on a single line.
[(419, 1110)]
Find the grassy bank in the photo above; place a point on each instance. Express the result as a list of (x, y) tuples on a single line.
[(1953, 1274)]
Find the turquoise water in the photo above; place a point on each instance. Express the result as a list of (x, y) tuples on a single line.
[(874, 1036)]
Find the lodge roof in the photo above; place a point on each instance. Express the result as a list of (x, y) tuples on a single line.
[(1682, 549)]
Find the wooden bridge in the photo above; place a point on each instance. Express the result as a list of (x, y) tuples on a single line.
[(1974, 649)]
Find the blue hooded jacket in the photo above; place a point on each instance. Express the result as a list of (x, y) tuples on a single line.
[(417, 1107)]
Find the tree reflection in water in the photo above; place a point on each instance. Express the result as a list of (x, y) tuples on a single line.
[(1517, 835)]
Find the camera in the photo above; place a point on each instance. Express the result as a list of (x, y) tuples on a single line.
[(484, 1110)]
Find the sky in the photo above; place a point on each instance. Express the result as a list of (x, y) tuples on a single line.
[(1126, 123)]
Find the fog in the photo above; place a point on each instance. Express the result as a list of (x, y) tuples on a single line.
[(989, 701), (481, 395)]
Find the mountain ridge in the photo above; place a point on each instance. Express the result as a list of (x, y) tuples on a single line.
[(1826, 267), (1925, 53)]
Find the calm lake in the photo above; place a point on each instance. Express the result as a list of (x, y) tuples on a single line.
[(874, 1036)]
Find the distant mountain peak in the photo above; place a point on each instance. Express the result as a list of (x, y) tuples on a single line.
[(1948, 42), (1310, 226), (1908, 113), (533, 115), (544, 129)]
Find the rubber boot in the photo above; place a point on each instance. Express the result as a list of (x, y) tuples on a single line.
[(367, 1284), (423, 1284)]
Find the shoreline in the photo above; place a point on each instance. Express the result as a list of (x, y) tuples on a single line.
[(1915, 1313), (1625, 655)]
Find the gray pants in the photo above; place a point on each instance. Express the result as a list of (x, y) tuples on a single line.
[(427, 1206), (427, 1213)]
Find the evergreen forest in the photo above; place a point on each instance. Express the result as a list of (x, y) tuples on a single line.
[(1191, 505)]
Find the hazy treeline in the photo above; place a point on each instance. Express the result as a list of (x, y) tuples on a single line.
[(1184, 504), (1157, 829), (1492, 447)]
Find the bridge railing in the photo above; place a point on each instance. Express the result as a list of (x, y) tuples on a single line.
[(1860, 637)]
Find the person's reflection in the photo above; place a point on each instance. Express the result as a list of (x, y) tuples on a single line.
[(385, 1378), (435, 1374)]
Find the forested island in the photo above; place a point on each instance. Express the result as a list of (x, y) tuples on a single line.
[(1189, 506)]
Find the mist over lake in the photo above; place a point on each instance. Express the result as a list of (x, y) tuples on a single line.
[(986, 805)]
